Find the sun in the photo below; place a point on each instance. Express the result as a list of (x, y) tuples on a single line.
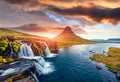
[(47, 35)]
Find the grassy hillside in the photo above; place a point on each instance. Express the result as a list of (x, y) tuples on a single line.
[(65, 39), (5, 32)]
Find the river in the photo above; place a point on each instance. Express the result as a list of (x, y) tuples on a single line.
[(72, 64)]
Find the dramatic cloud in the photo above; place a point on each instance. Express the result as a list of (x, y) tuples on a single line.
[(18, 1), (60, 13), (92, 12)]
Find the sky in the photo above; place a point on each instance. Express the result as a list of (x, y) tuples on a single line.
[(100, 19)]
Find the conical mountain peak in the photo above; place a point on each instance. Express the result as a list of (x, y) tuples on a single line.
[(67, 34), (68, 29)]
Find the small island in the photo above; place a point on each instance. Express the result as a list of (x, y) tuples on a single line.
[(111, 60)]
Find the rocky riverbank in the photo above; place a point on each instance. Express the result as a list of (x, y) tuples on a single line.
[(20, 57), (111, 60)]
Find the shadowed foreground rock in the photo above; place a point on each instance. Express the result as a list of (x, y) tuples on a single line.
[(17, 67), (29, 79)]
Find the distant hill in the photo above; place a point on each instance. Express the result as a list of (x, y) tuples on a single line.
[(111, 40), (30, 28), (68, 37), (114, 40), (6, 32)]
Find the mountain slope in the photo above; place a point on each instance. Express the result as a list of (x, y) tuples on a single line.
[(6, 32), (30, 28), (68, 37)]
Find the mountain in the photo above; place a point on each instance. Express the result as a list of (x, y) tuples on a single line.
[(111, 40), (30, 28), (16, 34), (68, 37)]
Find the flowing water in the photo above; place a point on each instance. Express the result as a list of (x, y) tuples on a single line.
[(12, 53), (37, 49), (47, 51), (73, 65), (42, 66)]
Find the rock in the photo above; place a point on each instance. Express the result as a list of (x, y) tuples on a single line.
[(115, 70), (29, 79), (90, 51), (98, 66), (14, 68), (118, 75)]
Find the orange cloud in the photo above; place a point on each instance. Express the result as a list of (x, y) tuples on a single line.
[(70, 3), (92, 12), (74, 3)]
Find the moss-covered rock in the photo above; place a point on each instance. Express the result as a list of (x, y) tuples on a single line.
[(3, 44), (16, 45), (5, 60)]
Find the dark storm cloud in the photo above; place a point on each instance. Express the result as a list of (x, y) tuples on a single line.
[(18, 1), (93, 13), (90, 11)]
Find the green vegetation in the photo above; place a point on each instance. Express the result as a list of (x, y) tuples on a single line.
[(112, 60), (16, 46), (5, 60), (19, 35), (64, 40), (3, 44)]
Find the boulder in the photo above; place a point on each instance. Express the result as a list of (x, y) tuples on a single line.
[(98, 66), (118, 75), (14, 68)]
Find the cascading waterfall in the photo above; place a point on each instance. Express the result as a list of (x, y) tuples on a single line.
[(37, 49), (47, 51), (25, 51), (12, 54), (42, 66), (11, 47), (34, 76)]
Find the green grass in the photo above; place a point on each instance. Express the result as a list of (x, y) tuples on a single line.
[(5, 32), (62, 42), (112, 60)]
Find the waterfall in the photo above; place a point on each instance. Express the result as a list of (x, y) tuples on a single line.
[(37, 49), (47, 51), (34, 76), (25, 51), (11, 49), (12, 54), (41, 65)]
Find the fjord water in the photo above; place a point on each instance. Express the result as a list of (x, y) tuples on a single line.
[(73, 65)]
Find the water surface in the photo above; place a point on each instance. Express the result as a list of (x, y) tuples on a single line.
[(72, 64)]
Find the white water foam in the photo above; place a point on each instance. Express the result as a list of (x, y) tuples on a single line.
[(42, 66), (51, 55)]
